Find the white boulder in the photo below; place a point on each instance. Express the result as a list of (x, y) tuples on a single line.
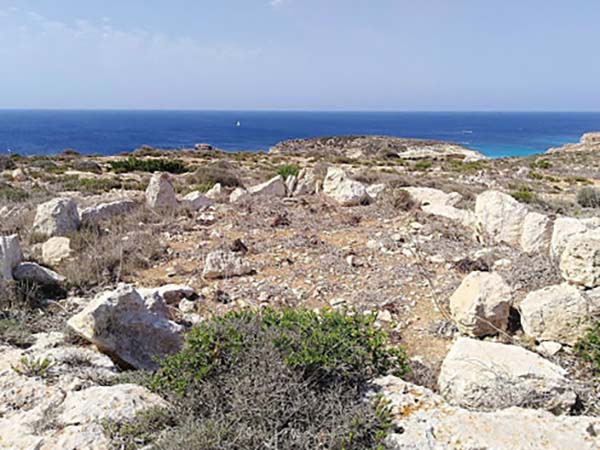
[(558, 313), (275, 187), (217, 193), (307, 184), (10, 256), (500, 217), (58, 217), (481, 304), (121, 324), (196, 200), (580, 261), (486, 376), (56, 249), (224, 264), (103, 211), (160, 192), (439, 203), (536, 233), (239, 195), (344, 190)]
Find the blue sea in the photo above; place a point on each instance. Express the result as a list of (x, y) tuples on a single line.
[(496, 134)]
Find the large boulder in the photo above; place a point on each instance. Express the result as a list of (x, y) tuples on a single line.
[(424, 421), (481, 304), (239, 195), (344, 190), (580, 261), (439, 203), (10, 256), (536, 233), (160, 192), (58, 217), (196, 200), (224, 264), (275, 187), (104, 211), (56, 249), (500, 217), (217, 193), (36, 274), (121, 324), (486, 376), (564, 228), (308, 183), (557, 313)]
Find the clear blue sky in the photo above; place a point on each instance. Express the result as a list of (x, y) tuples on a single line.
[(301, 54)]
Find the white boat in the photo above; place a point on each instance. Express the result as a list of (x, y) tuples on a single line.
[(238, 124)]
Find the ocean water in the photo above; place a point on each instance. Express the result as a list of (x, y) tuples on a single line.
[(496, 134)]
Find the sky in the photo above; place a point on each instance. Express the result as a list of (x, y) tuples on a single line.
[(301, 54)]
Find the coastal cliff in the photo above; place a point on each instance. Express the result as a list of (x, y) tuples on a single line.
[(588, 142)]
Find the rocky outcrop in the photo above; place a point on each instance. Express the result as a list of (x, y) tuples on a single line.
[(481, 304), (567, 227), (361, 147), (10, 256), (196, 200), (439, 203), (500, 217), (224, 264), (580, 261), (588, 142), (56, 249), (343, 189), (58, 217), (558, 313), (36, 274), (104, 211), (536, 233), (308, 183), (488, 376), (424, 421), (121, 324), (239, 195), (160, 192), (217, 193), (171, 294), (275, 187)]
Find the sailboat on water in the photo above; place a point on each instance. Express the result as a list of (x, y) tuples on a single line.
[(238, 124)]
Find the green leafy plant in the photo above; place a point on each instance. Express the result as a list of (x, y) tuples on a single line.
[(588, 347), (288, 170), (33, 367)]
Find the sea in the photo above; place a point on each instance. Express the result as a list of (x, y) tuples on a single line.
[(106, 132)]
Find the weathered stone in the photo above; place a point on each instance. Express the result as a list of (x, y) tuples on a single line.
[(160, 192), (10, 256), (536, 233), (557, 313), (105, 211), (344, 190), (439, 203), (308, 183), (224, 264), (58, 217), (275, 187), (424, 421), (487, 376), (34, 273), (481, 304), (500, 217), (217, 193), (564, 228), (121, 324), (239, 195), (375, 190), (580, 261), (196, 200), (290, 183), (170, 293), (56, 249)]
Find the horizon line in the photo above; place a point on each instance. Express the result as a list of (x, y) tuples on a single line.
[(283, 110)]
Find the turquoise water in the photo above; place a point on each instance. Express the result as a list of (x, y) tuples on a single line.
[(496, 134)]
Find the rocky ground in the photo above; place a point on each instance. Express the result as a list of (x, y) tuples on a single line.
[(486, 271)]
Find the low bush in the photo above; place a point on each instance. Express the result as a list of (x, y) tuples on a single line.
[(423, 165), (523, 195), (400, 199), (589, 197), (12, 193), (219, 172), (288, 170), (290, 379), (540, 164), (588, 347), (132, 164)]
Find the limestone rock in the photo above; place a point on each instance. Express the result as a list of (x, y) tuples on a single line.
[(10, 256), (375, 190), (56, 249), (564, 228), (217, 193), (307, 184), (290, 183), (170, 293), (58, 217), (121, 324), (439, 203), (19, 175), (424, 421), (486, 376), (557, 313), (481, 304), (239, 195), (34, 273), (275, 187), (500, 217), (160, 192), (536, 233), (588, 142), (224, 264), (580, 261), (196, 200), (342, 189), (105, 211)]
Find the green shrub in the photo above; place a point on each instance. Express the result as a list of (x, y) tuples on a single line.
[(290, 379), (288, 170), (401, 199), (535, 175), (423, 165), (12, 193), (132, 164), (589, 197), (540, 164), (523, 195), (588, 347), (207, 176), (457, 165), (15, 333)]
